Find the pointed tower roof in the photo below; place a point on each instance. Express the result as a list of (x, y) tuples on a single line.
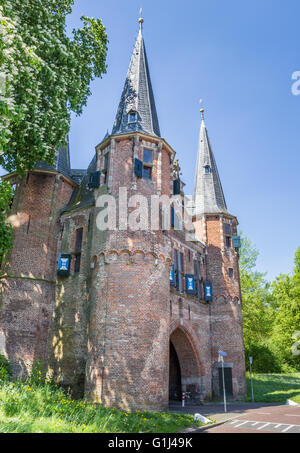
[(62, 161), (137, 97), (208, 193)]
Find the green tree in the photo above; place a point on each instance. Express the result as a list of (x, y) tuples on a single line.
[(44, 76), (257, 311), (286, 295)]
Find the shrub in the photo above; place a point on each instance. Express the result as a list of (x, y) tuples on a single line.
[(5, 372), (265, 357)]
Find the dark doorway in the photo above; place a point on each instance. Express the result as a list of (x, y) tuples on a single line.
[(174, 376), (228, 382)]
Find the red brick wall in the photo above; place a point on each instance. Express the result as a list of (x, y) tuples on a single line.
[(28, 293)]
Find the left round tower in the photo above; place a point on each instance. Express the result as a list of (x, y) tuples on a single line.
[(28, 276)]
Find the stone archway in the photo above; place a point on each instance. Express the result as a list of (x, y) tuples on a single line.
[(184, 366)]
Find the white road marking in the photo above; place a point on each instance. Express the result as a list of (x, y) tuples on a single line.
[(255, 423), (263, 426), (243, 423), (262, 413), (235, 421), (277, 426), (292, 415), (289, 427)]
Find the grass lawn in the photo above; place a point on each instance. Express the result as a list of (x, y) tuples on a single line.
[(42, 408), (273, 388)]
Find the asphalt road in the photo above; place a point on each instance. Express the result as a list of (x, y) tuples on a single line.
[(269, 419), (247, 417)]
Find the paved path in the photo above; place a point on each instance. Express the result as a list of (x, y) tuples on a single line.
[(250, 418)]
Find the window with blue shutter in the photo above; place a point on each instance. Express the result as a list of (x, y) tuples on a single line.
[(147, 163), (94, 179), (172, 276), (236, 242), (132, 117), (227, 230), (138, 168), (176, 186)]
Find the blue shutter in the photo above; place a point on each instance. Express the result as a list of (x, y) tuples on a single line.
[(176, 186), (138, 168), (63, 265), (208, 291), (236, 242), (94, 180), (172, 276), (190, 283), (172, 216)]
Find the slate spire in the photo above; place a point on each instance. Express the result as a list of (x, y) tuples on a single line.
[(208, 193), (137, 111)]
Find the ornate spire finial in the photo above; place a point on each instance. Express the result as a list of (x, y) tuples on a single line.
[(141, 20), (202, 114)]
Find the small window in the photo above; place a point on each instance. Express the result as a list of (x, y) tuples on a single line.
[(207, 169), (132, 117), (178, 269), (230, 272), (77, 263), (78, 246), (105, 167), (78, 243), (227, 229), (228, 241), (147, 163), (147, 172), (148, 156)]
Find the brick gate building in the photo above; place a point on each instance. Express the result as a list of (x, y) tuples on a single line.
[(125, 316)]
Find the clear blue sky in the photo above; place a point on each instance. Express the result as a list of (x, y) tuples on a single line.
[(238, 56)]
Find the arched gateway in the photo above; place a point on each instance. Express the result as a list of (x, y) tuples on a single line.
[(184, 367)]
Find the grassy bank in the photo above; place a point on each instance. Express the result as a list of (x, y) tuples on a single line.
[(42, 408), (275, 387)]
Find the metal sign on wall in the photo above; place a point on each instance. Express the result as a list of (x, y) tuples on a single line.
[(208, 291), (63, 266), (190, 283)]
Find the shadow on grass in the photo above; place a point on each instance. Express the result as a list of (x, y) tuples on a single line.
[(274, 387)]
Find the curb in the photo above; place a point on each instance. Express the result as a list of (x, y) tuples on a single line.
[(203, 428)]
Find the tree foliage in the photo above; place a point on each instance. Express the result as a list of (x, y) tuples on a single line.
[(271, 314), (6, 193), (286, 294), (44, 76), (257, 313)]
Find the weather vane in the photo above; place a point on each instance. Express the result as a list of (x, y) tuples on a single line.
[(202, 109), (141, 20)]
